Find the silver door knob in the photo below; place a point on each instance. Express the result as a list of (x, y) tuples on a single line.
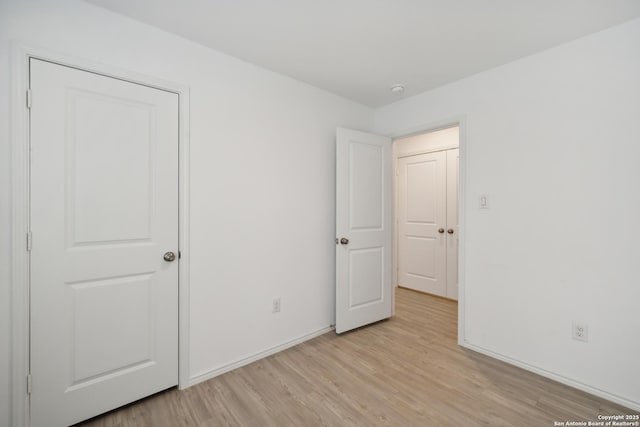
[(344, 241), (169, 256), (450, 231), (440, 230)]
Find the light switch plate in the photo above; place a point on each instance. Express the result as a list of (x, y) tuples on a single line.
[(484, 201)]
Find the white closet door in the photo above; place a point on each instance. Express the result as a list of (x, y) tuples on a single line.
[(363, 225), (422, 221), (453, 187), (104, 211)]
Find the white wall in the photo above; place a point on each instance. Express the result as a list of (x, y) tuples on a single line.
[(437, 140), (262, 176), (554, 140)]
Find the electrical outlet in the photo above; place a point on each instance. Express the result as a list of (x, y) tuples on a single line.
[(275, 308), (580, 331)]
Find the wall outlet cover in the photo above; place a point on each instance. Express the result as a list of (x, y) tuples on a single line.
[(580, 331)]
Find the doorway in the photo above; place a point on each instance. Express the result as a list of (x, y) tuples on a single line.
[(427, 198), (367, 195)]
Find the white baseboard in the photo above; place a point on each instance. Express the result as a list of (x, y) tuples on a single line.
[(559, 378), (203, 376)]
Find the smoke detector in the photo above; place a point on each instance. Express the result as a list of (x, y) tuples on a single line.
[(397, 89)]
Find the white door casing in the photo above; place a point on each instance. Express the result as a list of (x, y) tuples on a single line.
[(364, 217), (422, 222), (453, 231), (104, 210)]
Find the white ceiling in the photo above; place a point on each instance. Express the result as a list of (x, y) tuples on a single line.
[(359, 48)]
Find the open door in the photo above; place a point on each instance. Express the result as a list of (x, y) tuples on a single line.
[(363, 229)]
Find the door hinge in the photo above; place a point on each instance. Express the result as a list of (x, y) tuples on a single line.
[(29, 241), (29, 384), (29, 101)]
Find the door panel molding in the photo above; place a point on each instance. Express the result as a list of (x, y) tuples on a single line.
[(19, 263)]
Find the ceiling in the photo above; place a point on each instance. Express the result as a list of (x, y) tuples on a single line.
[(358, 49)]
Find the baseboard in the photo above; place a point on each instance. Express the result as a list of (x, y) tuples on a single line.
[(553, 376), (427, 293), (203, 376)]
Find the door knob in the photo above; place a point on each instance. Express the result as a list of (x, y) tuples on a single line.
[(440, 230), (169, 256), (344, 241), (450, 231)]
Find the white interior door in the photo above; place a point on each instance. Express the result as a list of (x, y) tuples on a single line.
[(363, 226), (453, 191), (104, 211), (422, 222)]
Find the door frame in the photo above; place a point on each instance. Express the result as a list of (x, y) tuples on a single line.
[(20, 212), (461, 122)]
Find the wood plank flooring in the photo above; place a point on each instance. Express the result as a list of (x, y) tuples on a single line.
[(406, 371)]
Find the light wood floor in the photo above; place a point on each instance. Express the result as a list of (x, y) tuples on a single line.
[(407, 371)]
